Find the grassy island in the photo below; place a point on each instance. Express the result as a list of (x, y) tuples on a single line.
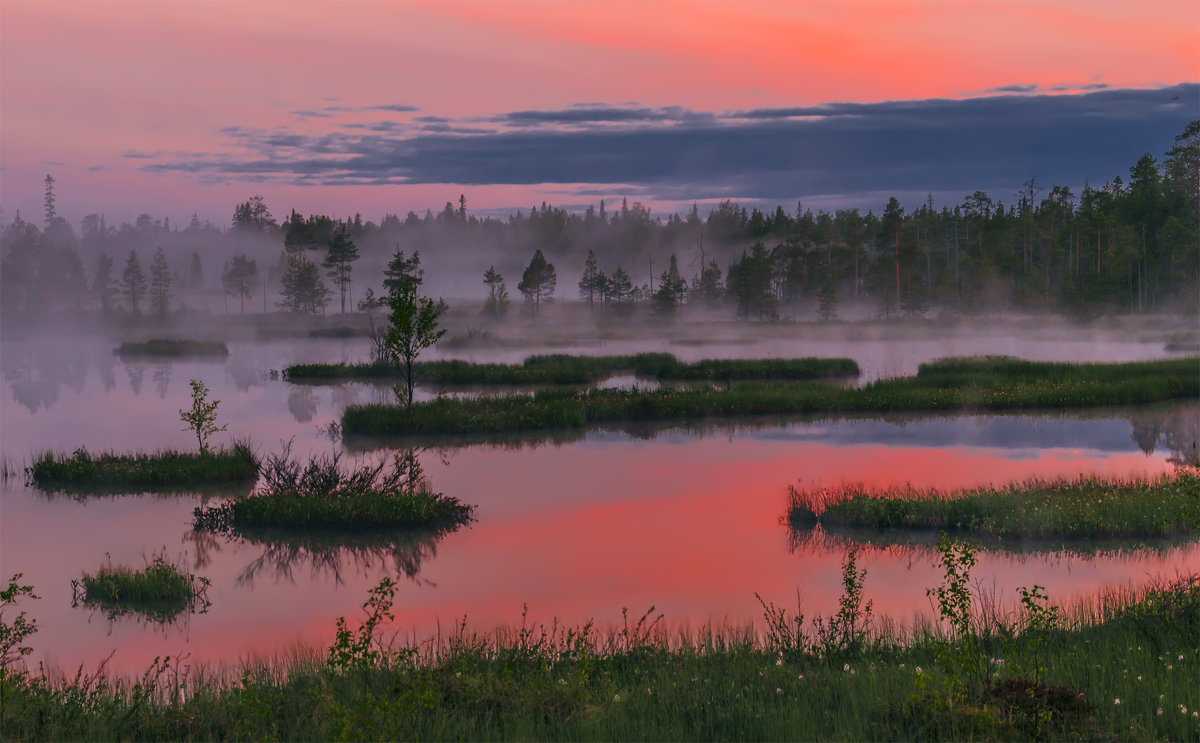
[(160, 592), (162, 469), (320, 495), (956, 384), (1083, 509), (163, 348), (566, 369)]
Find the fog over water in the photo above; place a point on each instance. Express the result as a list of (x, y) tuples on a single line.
[(685, 517)]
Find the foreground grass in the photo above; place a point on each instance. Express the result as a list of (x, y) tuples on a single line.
[(160, 592), (167, 348), (1125, 670), (960, 384), (566, 369), (320, 495), (82, 469), (1087, 508)]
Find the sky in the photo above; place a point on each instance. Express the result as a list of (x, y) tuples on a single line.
[(373, 107)]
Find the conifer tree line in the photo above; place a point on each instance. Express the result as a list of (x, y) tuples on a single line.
[(1129, 245)]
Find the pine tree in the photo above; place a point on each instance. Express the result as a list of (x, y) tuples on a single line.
[(671, 291), (303, 291), (591, 282), (401, 270), (497, 302), (239, 279), (342, 253), (103, 284), (133, 282), (160, 284), (538, 281), (827, 299)]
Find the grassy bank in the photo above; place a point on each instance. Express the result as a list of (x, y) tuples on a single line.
[(1123, 670), (1087, 508), (320, 495), (963, 384), (566, 369), (160, 592), (167, 348), (82, 469)]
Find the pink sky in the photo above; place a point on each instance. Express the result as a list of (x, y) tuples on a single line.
[(84, 85)]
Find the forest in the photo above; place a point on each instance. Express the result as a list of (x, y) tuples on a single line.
[(1131, 245)]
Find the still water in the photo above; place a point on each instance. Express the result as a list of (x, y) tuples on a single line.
[(684, 518)]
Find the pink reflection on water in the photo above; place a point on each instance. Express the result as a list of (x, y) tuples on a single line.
[(577, 532)]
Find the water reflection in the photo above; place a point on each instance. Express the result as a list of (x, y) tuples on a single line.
[(302, 404), (336, 556), (921, 544)]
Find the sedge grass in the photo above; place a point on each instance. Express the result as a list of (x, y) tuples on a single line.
[(106, 470), (1084, 509), (160, 592), (568, 369), (321, 495), (972, 385), (1125, 670)]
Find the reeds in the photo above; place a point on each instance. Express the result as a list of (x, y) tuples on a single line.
[(989, 384), (567, 369), (321, 495), (1087, 508), (160, 592), (53, 470), (1126, 671)]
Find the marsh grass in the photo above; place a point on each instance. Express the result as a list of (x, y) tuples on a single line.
[(162, 469), (160, 592), (1083, 509), (568, 369), (988, 384), (322, 495), (167, 348), (640, 681)]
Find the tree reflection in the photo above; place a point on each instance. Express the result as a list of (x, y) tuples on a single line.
[(399, 554), (1176, 430), (162, 379), (302, 404)]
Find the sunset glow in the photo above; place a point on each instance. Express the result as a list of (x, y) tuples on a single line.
[(131, 104)]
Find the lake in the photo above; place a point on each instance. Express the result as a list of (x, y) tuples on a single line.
[(686, 518)]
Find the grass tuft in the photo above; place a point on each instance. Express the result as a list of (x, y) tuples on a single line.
[(160, 592), (82, 469)]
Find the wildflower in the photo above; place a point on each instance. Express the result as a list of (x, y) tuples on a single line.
[(1159, 712), (918, 669), (1183, 709), (1139, 678), (846, 667), (1116, 701), (616, 697), (779, 661), (801, 677), (778, 690)]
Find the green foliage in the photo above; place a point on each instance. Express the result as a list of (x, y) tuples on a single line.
[(538, 281), (413, 327), (161, 592), (537, 683), (354, 651), (320, 494), (13, 634), (202, 418), (563, 369), (143, 470), (303, 292), (1087, 508), (847, 630), (1095, 384)]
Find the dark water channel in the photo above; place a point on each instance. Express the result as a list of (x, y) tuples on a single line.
[(685, 518)]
